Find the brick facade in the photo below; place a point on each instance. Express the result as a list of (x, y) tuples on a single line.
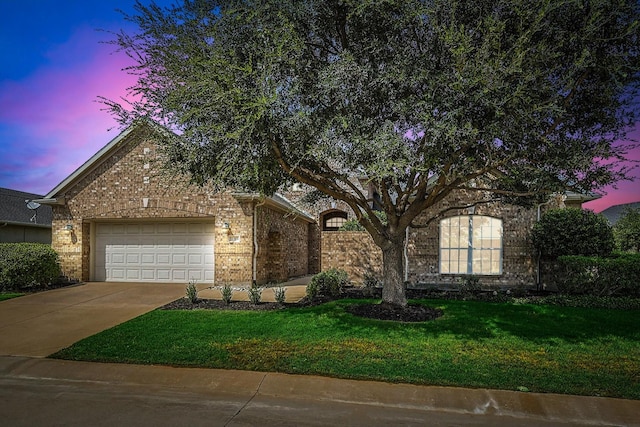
[(283, 244), (356, 252), (130, 184), (353, 251)]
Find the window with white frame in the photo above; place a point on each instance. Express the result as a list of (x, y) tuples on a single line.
[(471, 244)]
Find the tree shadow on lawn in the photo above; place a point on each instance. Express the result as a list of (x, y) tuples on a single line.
[(484, 320)]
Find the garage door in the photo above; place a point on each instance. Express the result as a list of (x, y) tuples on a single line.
[(164, 251)]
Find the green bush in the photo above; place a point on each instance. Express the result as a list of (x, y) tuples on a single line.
[(351, 225), (354, 225), (25, 265), (572, 231), (328, 283), (627, 230), (617, 275)]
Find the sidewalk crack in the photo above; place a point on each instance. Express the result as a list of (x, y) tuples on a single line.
[(255, 393)]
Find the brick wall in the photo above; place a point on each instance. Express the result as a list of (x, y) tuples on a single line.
[(283, 242), (353, 251)]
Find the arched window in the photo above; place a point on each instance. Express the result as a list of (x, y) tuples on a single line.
[(333, 220), (471, 244)]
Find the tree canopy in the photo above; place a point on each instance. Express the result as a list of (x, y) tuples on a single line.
[(627, 230), (510, 99)]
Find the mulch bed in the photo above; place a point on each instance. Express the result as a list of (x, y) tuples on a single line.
[(411, 313), (212, 304)]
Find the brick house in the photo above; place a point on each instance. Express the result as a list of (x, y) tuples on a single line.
[(121, 217)]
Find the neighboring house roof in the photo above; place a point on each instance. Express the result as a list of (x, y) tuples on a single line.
[(613, 213), (572, 196), (14, 210)]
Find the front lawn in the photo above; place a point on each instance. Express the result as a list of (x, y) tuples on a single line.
[(534, 348)]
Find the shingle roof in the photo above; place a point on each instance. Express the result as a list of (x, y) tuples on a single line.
[(13, 208), (614, 213)]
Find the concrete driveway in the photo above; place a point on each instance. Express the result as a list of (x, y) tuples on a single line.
[(40, 324)]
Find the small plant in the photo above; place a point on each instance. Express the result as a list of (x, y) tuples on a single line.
[(328, 283), (279, 294), (255, 294), (371, 282), (192, 292), (226, 292), (470, 285)]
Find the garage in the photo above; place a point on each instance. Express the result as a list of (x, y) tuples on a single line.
[(173, 252)]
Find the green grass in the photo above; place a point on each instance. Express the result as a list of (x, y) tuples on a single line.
[(9, 296), (475, 344)]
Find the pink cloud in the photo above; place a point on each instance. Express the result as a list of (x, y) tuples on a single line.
[(53, 118)]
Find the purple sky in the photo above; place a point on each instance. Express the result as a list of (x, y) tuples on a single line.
[(54, 68)]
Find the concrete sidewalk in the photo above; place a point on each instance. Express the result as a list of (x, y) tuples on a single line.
[(77, 393)]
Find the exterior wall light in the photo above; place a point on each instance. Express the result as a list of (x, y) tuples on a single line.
[(68, 227)]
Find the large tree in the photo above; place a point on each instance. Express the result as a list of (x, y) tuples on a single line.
[(512, 99)]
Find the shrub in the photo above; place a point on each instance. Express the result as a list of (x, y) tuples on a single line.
[(312, 290), (469, 284), (328, 283), (354, 225), (371, 283), (24, 265), (612, 276), (572, 231), (280, 294), (627, 230), (351, 225), (192, 292), (226, 293), (255, 294)]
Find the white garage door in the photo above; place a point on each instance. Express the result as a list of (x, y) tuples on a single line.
[(163, 251)]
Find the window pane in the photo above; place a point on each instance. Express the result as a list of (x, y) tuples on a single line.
[(478, 236), (335, 222)]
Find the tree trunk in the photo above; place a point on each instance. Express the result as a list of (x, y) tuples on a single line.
[(393, 289)]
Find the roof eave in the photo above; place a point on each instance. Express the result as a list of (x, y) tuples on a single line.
[(274, 202), (54, 201), (24, 224)]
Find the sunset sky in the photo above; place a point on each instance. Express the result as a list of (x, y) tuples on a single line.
[(53, 69)]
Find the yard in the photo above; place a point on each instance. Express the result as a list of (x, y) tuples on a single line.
[(537, 348), (5, 296)]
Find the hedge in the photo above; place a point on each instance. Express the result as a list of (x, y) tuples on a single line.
[(617, 275), (25, 265)]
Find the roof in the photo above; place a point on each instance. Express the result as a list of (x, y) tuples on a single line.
[(14, 210), (613, 213), (277, 201), (57, 196)]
